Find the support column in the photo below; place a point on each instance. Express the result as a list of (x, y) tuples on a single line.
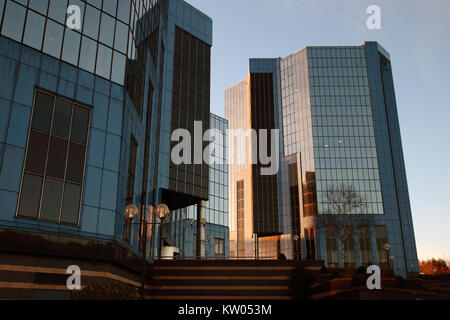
[(201, 232)]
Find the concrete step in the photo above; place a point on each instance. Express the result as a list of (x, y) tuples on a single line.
[(228, 280)]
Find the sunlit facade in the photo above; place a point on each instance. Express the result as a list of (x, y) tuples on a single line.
[(339, 128)]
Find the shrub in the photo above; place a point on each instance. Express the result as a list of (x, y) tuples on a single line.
[(350, 272), (107, 291), (388, 273)]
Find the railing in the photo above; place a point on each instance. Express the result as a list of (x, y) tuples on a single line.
[(218, 258)]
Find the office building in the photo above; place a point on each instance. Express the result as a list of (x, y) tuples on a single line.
[(184, 221), (86, 120), (336, 112)]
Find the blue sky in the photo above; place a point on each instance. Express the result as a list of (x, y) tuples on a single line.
[(417, 35)]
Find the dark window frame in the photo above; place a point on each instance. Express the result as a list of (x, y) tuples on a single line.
[(44, 176)]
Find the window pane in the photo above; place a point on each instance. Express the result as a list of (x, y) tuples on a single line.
[(107, 30), (121, 40), (14, 21), (51, 200), (118, 69), (2, 4), (39, 6), (61, 118), (110, 6), (75, 163), (42, 112), (34, 30), (97, 3), (53, 39), (37, 152), (88, 54), (57, 10), (30, 196), (91, 22), (71, 203), (57, 154), (71, 47), (123, 12), (80, 124), (104, 61), (24, 2)]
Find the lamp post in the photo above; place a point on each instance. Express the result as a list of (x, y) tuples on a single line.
[(162, 211), (131, 212), (295, 237), (386, 247)]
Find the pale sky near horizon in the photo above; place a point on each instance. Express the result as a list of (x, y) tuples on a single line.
[(416, 33)]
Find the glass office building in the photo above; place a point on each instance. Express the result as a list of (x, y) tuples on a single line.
[(86, 117), (184, 221), (339, 128)]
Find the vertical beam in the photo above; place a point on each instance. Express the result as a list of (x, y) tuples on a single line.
[(201, 234)]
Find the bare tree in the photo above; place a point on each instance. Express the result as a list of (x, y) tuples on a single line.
[(345, 211)]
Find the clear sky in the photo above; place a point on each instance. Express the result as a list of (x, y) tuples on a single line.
[(416, 33)]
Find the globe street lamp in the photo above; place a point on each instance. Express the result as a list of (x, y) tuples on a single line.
[(131, 211), (295, 237), (386, 247), (162, 211)]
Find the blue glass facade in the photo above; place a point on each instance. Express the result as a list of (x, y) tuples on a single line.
[(336, 111), (123, 73), (390, 156)]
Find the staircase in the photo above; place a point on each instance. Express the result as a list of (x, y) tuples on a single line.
[(225, 279)]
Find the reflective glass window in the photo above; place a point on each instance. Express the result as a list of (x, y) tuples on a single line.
[(39, 5), (118, 68), (91, 22), (51, 200), (80, 124), (57, 10), (107, 30), (2, 4), (88, 54), (53, 39), (34, 30), (121, 37), (54, 158), (110, 7), (104, 61), (75, 163), (42, 113), (61, 118), (97, 3), (71, 47), (71, 203), (30, 196), (37, 152), (123, 12), (57, 155), (13, 21)]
